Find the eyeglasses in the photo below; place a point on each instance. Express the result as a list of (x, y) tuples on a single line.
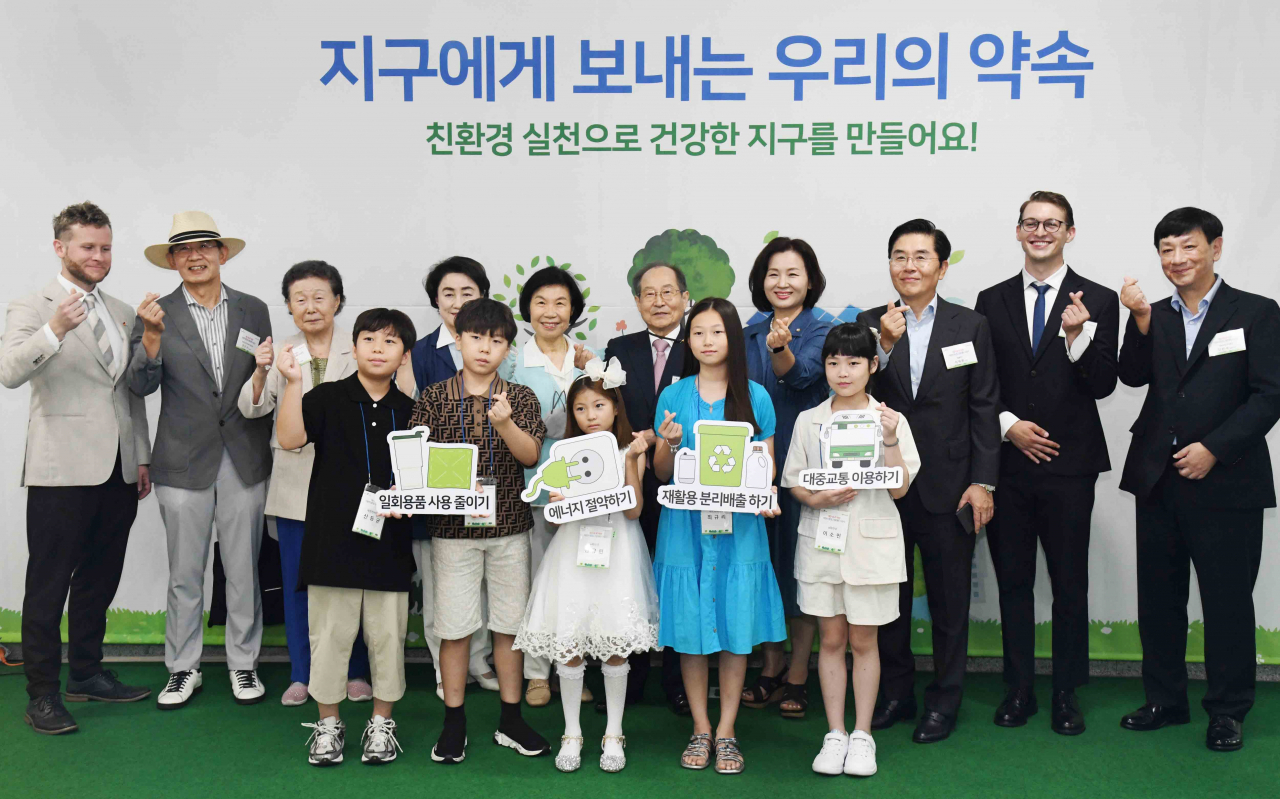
[(903, 260), (1050, 225), (183, 250), (668, 295)]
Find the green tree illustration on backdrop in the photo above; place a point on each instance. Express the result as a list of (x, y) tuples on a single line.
[(706, 267), (588, 318)]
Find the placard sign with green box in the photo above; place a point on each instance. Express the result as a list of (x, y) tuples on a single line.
[(726, 470), (433, 477)]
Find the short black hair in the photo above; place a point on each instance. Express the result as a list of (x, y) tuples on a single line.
[(320, 269), (486, 317), (1182, 221), (680, 279), (552, 276), (850, 339), (376, 319), (463, 266), (817, 282), (941, 244)]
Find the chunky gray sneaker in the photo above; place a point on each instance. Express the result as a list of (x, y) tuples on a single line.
[(328, 738), (380, 742)]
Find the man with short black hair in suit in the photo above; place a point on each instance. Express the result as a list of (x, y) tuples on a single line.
[(1054, 334), (652, 362), (937, 367), (1200, 472)]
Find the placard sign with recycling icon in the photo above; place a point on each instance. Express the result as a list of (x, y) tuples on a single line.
[(589, 472), (727, 471), (433, 477)]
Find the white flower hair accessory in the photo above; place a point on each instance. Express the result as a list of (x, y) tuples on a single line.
[(613, 375), (875, 332)]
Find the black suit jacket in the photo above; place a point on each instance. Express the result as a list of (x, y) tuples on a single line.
[(641, 398), (954, 415), (1045, 387), (1226, 402)]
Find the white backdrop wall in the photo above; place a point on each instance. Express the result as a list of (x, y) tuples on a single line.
[(152, 108)]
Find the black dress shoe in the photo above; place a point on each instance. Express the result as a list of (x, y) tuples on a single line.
[(47, 716), (104, 687), (933, 727), (1067, 718), (893, 711), (1225, 734), (1153, 717), (680, 705), (1018, 706)]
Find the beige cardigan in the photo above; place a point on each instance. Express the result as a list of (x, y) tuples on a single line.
[(291, 468)]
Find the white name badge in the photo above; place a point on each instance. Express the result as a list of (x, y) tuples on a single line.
[(1089, 329), (717, 522), (301, 354), (833, 531), (959, 355), (490, 490), (1227, 341), (247, 341), (594, 546), (368, 522)]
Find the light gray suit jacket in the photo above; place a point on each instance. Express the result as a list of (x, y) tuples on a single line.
[(198, 417), (80, 416)]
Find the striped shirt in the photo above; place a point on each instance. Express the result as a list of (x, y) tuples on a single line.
[(212, 326)]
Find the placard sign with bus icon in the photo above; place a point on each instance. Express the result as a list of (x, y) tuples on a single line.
[(852, 446), (433, 477), (726, 471)]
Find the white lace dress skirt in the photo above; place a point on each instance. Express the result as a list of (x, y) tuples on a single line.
[(580, 611)]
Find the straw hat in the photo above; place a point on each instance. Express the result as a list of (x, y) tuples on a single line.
[(191, 226)]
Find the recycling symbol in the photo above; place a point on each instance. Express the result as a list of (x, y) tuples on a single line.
[(721, 460)]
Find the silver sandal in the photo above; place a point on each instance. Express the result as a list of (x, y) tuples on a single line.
[(613, 763), (699, 746), (727, 750), (564, 762)]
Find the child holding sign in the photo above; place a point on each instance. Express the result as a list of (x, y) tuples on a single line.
[(716, 588), (849, 556), (593, 600), (356, 566)]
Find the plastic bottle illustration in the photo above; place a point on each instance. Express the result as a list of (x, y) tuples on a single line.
[(757, 470), (686, 466)]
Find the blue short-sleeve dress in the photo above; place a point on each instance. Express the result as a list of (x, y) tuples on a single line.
[(715, 592)]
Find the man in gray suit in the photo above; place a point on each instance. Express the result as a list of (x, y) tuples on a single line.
[(211, 464), (85, 467)]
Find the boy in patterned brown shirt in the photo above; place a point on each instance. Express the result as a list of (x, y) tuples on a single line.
[(504, 421)]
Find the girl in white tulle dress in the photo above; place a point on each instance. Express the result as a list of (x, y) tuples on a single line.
[(582, 611)]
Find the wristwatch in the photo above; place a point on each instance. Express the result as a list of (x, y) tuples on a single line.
[(989, 488), (776, 350)]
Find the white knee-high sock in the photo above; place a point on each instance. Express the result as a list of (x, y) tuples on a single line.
[(571, 679), (615, 695)]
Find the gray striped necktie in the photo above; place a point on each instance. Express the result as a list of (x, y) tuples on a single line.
[(100, 333)]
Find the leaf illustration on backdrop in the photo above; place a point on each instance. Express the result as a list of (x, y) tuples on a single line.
[(506, 281), (770, 236), (519, 269), (500, 298), (592, 324), (956, 257), (551, 261), (534, 263)]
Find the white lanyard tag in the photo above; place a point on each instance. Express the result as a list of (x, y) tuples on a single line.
[(717, 522), (368, 522), (833, 531), (301, 354), (594, 545), (489, 488), (959, 355), (247, 341)]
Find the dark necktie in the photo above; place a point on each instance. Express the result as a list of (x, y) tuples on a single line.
[(1037, 316)]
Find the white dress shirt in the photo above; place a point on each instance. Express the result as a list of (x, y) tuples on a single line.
[(1029, 294), (445, 340), (115, 334)]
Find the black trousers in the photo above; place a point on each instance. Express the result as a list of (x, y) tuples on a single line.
[(946, 551), (1225, 544), (76, 538), (1055, 510)]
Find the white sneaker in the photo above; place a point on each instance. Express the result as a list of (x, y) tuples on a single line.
[(246, 687), (380, 742), (487, 680), (328, 738), (181, 687), (861, 760), (831, 760), (440, 691)]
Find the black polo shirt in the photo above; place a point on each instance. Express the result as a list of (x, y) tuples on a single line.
[(337, 416)]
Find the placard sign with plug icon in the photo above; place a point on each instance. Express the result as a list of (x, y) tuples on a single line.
[(727, 471), (433, 477), (589, 471), (852, 446)]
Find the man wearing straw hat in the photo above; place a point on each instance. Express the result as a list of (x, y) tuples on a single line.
[(210, 464)]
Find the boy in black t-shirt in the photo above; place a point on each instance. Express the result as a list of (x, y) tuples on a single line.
[(357, 567)]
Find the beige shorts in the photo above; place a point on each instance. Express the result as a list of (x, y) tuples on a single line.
[(859, 604), (459, 565), (335, 616)]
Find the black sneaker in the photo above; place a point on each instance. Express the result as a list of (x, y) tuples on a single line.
[(518, 735), (104, 687), (47, 716)]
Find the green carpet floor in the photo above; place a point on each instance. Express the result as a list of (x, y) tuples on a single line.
[(214, 748)]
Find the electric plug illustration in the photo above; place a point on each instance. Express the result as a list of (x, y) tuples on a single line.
[(554, 474)]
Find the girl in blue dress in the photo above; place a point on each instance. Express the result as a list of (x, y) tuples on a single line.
[(716, 593)]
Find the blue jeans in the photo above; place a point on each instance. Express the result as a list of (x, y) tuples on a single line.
[(295, 610)]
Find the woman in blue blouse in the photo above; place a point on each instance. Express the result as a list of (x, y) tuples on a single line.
[(784, 354), (716, 593)]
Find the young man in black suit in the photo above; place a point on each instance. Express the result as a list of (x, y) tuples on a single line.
[(1199, 470), (938, 368), (652, 362), (1055, 335)]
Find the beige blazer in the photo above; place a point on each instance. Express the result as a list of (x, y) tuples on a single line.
[(80, 415), (291, 468), (873, 553)]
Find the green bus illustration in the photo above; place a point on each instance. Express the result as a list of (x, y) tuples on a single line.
[(852, 438)]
